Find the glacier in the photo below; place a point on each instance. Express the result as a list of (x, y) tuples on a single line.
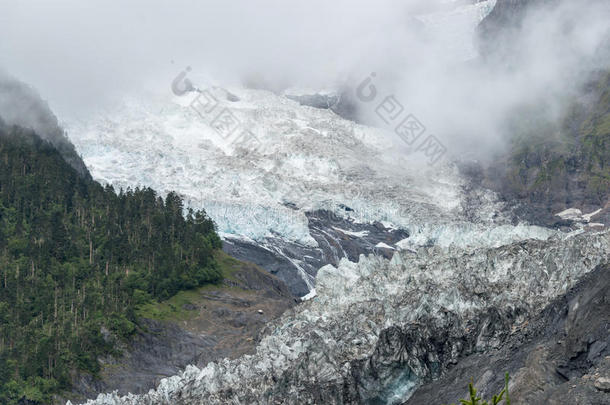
[(368, 330), (308, 159), (378, 328), (163, 144)]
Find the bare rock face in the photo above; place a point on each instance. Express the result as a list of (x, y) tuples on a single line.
[(336, 238), (315, 100), (538, 173), (498, 29), (379, 329), (561, 356), (546, 179), (602, 384)]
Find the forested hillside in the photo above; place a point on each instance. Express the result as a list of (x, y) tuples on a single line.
[(76, 259)]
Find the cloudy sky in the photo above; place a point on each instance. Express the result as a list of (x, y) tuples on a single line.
[(83, 54)]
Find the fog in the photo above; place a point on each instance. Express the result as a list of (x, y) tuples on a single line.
[(77, 53), (83, 55)]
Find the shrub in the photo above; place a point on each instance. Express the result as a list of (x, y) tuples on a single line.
[(495, 400)]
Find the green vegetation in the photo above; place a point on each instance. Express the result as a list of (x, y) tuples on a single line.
[(173, 309), (548, 158), (495, 400), (227, 264), (77, 259)]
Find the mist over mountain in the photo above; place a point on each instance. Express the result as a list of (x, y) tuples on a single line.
[(304, 202), (417, 48), (21, 105)]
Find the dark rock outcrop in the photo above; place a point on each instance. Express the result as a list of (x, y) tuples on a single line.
[(561, 356), (550, 164), (337, 238), (497, 32), (316, 100)]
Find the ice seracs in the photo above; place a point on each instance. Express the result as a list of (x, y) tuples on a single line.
[(266, 196), (378, 328), (303, 159), (368, 330), (162, 144)]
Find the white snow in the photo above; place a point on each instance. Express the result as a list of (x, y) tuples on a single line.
[(160, 143), (302, 159), (384, 246), (570, 213), (574, 214), (587, 217), (309, 295), (359, 234), (389, 225), (454, 25), (305, 157)]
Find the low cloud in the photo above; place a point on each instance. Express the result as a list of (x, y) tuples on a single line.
[(85, 55)]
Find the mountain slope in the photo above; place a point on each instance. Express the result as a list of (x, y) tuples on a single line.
[(78, 258), (497, 32), (193, 327), (573, 167), (561, 356), (21, 105), (463, 282), (553, 161), (319, 187)]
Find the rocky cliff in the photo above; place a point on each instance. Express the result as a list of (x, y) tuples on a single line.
[(551, 163), (560, 356), (497, 31)]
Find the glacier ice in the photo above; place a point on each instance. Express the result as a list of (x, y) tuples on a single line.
[(308, 159), (162, 144), (321, 351), (460, 266)]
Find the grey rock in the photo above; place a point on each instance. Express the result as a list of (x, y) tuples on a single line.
[(336, 240), (603, 384), (551, 358), (324, 101), (498, 30)]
